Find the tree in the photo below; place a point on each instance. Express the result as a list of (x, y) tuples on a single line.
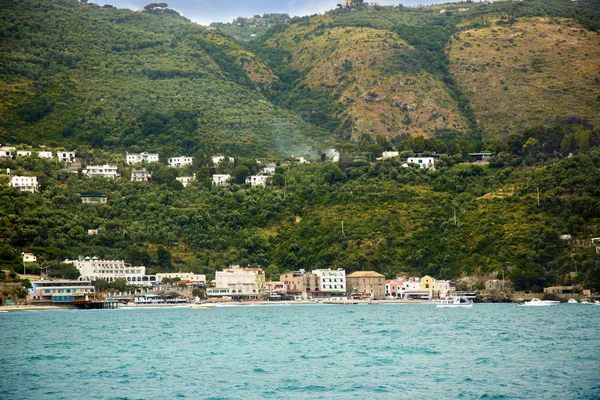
[(240, 173), (154, 6), (66, 271), (163, 256)]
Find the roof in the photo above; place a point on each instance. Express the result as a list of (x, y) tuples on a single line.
[(480, 154), (365, 274), (92, 194)]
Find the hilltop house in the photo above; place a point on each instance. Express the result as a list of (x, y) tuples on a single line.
[(24, 183)]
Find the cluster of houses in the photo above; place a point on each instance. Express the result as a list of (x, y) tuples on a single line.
[(239, 283)]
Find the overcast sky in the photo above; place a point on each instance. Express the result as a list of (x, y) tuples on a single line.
[(207, 11)]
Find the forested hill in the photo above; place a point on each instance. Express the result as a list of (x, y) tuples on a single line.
[(74, 73)]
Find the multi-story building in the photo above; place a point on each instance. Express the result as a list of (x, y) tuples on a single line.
[(300, 282), (45, 154), (187, 277), (105, 171), (24, 183), (256, 180), (413, 288), (366, 283), (393, 288), (140, 175), (6, 151), (65, 156), (241, 283), (186, 180), (276, 289), (331, 282), (144, 157), (91, 269), (443, 289), (221, 179), (180, 162), (60, 291)]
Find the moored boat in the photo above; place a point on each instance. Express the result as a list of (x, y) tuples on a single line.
[(538, 302), (572, 301), (457, 302), (203, 305)]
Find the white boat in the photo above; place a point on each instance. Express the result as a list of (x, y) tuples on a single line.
[(585, 302), (457, 302), (203, 305), (538, 303), (572, 301)]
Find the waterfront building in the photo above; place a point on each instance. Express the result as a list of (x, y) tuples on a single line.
[(300, 282), (65, 156), (24, 183), (276, 288), (221, 179), (140, 175), (241, 283), (393, 288), (144, 157), (187, 277), (256, 180), (443, 289), (180, 162), (60, 291), (105, 171), (186, 180), (45, 154), (368, 283), (92, 269), (412, 288), (93, 198), (331, 282)]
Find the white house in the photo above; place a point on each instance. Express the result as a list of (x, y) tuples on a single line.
[(217, 159), (65, 156), (140, 175), (331, 280), (180, 162), (91, 269), (256, 180), (442, 289), (389, 154), (29, 258), (187, 277), (186, 180), (268, 170), (221, 179), (239, 282), (6, 151), (24, 153), (44, 154), (144, 157), (105, 171), (424, 162), (24, 183)]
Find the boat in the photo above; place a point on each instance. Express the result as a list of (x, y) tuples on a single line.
[(585, 302), (457, 302), (203, 305), (538, 302), (572, 301)]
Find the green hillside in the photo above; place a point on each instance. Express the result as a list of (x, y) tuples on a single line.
[(74, 73)]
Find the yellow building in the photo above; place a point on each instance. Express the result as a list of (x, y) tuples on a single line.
[(427, 282)]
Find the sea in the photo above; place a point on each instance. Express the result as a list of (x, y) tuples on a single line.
[(398, 351)]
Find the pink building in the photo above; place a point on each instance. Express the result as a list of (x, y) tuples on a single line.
[(393, 288)]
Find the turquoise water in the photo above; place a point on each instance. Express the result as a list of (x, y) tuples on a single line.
[(296, 352)]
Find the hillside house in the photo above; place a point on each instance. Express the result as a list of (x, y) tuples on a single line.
[(186, 180), (24, 153), (93, 198), (480, 157), (423, 162), (389, 154), (221, 179), (216, 160), (65, 156), (140, 158), (29, 258), (140, 175), (24, 183), (105, 171), (6, 151), (180, 162), (256, 180), (45, 154)]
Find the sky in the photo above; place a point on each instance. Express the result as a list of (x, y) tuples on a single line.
[(206, 11)]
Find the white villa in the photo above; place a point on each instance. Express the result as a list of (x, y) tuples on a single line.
[(24, 153), (331, 280), (45, 154), (187, 277), (144, 157), (221, 179), (65, 156), (238, 282), (180, 162), (217, 159), (105, 171), (424, 162), (24, 183), (109, 270), (186, 180), (29, 258), (6, 151), (256, 180)]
